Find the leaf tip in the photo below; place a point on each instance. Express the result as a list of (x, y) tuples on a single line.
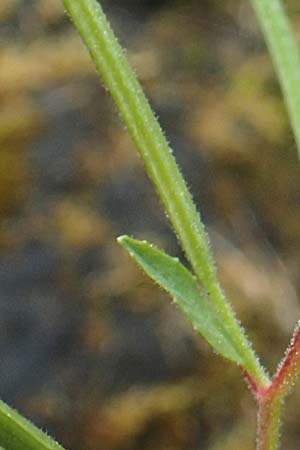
[(122, 238), (125, 241), (128, 243)]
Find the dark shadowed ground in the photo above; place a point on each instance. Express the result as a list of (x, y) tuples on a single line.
[(89, 348)]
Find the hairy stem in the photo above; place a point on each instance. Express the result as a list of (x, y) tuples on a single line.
[(289, 369), (269, 421), (270, 399), (145, 130)]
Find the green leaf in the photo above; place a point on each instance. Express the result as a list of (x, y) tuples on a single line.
[(121, 81), (174, 278), (17, 433)]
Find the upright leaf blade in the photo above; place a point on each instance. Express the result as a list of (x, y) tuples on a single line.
[(161, 166), (284, 51), (174, 278), (120, 80)]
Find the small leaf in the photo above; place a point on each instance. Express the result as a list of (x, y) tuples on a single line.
[(174, 278)]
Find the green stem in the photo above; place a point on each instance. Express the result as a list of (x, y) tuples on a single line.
[(269, 421), (285, 53), (270, 400), (17, 433), (145, 130)]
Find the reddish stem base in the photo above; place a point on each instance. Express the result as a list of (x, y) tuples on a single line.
[(270, 398)]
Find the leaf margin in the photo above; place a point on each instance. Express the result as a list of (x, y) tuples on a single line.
[(189, 298)]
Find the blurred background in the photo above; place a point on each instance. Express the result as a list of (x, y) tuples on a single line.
[(90, 349)]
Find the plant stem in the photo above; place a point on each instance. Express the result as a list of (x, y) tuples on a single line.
[(270, 402), (286, 57), (289, 368), (285, 53), (270, 399), (268, 429), (145, 130)]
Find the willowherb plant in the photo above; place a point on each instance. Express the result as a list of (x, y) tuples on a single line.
[(198, 294)]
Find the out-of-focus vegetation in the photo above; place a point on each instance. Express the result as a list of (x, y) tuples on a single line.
[(90, 349)]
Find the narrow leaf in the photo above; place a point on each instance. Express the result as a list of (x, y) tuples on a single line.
[(284, 51), (174, 278), (161, 166), (17, 433)]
